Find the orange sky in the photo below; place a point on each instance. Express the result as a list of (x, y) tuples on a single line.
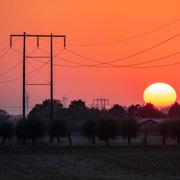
[(87, 22)]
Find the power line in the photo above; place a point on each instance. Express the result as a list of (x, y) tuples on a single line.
[(29, 73), (10, 69), (38, 72), (134, 54), (135, 64), (128, 38), (4, 53), (3, 49)]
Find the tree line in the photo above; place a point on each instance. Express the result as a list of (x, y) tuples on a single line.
[(90, 122)]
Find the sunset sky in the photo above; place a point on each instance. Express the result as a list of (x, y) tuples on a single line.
[(86, 23)]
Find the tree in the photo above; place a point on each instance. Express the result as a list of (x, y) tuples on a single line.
[(58, 128), (6, 126), (31, 128), (149, 111), (4, 115), (164, 130), (77, 105), (147, 127), (134, 110), (6, 130), (89, 129), (21, 132), (107, 128), (117, 111), (35, 129), (129, 128), (42, 111), (174, 110), (175, 129)]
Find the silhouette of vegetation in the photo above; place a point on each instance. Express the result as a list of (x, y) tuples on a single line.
[(174, 110), (148, 127), (164, 130), (92, 122), (31, 128), (117, 111), (58, 129), (134, 110), (107, 128), (42, 111), (129, 128), (20, 130), (175, 129), (149, 111), (35, 129), (89, 129), (6, 130), (6, 127)]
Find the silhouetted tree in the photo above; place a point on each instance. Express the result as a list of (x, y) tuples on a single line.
[(174, 110), (58, 128), (4, 115), (107, 128), (147, 127), (129, 128), (134, 110), (5, 126), (175, 129), (117, 111), (20, 130), (164, 130), (31, 128), (89, 129), (77, 105), (42, 111), (149, 111), (6, 130)]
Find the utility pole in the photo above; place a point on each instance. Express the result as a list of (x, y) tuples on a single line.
[(100, 103), (37, 36)]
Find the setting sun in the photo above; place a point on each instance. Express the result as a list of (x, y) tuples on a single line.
[(160, 94)]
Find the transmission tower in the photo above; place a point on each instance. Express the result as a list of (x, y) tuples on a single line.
[(64, 101), (37, 36), (27, 102), (100, 103)]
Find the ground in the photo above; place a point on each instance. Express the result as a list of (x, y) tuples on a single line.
[(57, 162)]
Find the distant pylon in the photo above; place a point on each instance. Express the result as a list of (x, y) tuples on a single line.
[(64, 101), (100, 103), (27, 102)]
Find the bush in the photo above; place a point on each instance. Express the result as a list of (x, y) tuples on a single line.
[(163, 129), (6, 130), (129, 128), (107, 128), (89, 129), (31, 128), (57, 129), (20, 129), (174, 130)]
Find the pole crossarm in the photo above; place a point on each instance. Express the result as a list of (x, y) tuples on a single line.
[(38, 36)]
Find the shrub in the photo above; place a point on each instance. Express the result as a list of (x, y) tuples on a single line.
[(107, 128), (88, 129), (6, 130), (31, 128), (129, 128), (163, 129), (57, 129)]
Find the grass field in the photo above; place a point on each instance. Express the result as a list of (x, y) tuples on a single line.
[(89, 162)]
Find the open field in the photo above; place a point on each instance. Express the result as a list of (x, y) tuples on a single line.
[(89, 162)]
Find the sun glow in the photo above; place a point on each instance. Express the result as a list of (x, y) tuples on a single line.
[(160, 94)]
